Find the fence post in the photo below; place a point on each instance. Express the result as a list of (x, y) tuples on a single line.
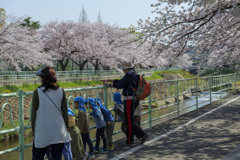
[(177, 99), (235, 82), (228, 82), (21, 124), (196, 93), (210, 89), (150, 109), (221, 86), (105, 94)]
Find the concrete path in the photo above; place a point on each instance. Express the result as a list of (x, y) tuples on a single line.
[(211, 133)]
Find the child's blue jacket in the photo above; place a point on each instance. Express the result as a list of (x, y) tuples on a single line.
[(106, 113), (97, 114), (98, 118)]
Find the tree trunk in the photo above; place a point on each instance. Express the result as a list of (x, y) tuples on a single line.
[(83, 64), (63, 65), (97, 65), (80, 63)]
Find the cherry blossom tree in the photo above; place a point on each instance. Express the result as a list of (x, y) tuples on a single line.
[(59, 38), (20, 46), (210, 28), (168, 58), (90, 44), (100, 44), (117, 44)]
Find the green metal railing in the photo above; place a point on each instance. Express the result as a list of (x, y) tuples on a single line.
[(6, 75), (162, 91)]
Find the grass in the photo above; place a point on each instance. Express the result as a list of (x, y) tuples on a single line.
[(79, 84), (159, 74), (28, 87), (32, 87)]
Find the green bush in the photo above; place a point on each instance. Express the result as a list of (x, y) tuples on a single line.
[(8, 89), (12, 88), (4, 90), (226, 71), (6, 77), (208, 72)]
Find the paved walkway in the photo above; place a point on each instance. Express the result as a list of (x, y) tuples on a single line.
[(211, 133)]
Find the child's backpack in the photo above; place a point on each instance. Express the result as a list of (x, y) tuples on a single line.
[(143, 89)]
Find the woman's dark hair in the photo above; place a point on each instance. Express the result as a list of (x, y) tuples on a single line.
[(49, 79)]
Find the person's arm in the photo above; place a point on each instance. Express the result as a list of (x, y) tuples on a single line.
[(95, 113), (35, 106), (64, 109), (124, 82)]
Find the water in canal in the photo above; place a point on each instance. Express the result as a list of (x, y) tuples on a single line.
[(203, 99)]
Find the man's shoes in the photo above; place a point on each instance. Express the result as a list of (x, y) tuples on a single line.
[(131, 142), (144, 138)]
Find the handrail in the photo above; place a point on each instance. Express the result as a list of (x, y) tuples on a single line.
[(161, 90)]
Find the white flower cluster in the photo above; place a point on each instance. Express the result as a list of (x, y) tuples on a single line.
[(209, 28)]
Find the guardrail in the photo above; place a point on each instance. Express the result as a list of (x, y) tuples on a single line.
[(161, 90)]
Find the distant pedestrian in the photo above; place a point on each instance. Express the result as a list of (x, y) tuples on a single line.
[(110, 123), (49, 116), (127, 83), (83, 125), (95, 111)]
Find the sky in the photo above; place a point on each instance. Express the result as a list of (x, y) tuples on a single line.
[(123, 13)]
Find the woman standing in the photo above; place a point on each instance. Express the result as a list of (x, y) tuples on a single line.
[(49, 116)]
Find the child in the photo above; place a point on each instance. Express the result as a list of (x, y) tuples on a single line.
[(138, 114), (119, 111), (76, 142), (83, 125), (100, 124), (108, 118)]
